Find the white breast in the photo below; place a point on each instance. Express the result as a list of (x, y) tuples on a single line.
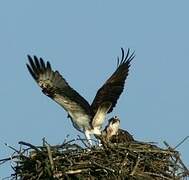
[(80, 121)]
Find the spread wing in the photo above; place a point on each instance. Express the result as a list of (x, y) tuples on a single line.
[(56, 87), (111, 90)]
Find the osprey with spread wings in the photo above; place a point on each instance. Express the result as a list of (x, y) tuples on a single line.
[(85, 117)]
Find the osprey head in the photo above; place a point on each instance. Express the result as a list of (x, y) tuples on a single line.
[(113, 126), (113, 120), (111, 129)]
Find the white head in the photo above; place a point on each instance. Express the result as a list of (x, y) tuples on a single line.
[(112, 128)]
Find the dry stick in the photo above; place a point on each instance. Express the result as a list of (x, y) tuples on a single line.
[(162, 151), (176, 155), (6, 178), (29, 145), (8, 159), (76, 171), (157, 175), (65, 140), (12, 148), (151, 151), (181, 142), (40, 174), (50, 155), (103, 167), (64, 143), (136, 165), (82, 140), (183, 165), (123, 162)]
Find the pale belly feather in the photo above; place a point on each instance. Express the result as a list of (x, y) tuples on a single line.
[(79, 118)]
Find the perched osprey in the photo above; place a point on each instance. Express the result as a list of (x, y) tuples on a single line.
[(86, 118), (112, 133), (111, 129)]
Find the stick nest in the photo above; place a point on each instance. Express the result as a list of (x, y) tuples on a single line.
[(135, 160)]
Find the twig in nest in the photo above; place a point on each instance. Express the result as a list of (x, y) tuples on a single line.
[(65, 140), (158, 175), (50, 156), (181, 142), (64, 143), (12, 148), (76, 171), (135, 167), (8, 159), (183, 165), (83, 141), (177, 156), (103, 167), (29, 145)]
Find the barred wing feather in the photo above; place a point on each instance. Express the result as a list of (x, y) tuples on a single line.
[(56, 87), (113, 87)]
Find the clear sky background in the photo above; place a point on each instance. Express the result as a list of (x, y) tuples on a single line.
[(82, 40)]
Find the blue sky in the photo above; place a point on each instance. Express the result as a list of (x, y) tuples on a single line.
[(82, 40)]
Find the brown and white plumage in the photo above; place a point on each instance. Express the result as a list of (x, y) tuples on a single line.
[(112, 133), (111, 129), (85, 117)]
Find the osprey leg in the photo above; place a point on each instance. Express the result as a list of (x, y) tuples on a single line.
[(88, 137)]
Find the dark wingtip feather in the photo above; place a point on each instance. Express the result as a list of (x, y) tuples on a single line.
[(125, 58), (29, 58), (131, 57), (128, 58), (37, 63), (31, 71), (123, 54), (31, 63), (127, 55), (117, 61), (48, 65), (42, 63)]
